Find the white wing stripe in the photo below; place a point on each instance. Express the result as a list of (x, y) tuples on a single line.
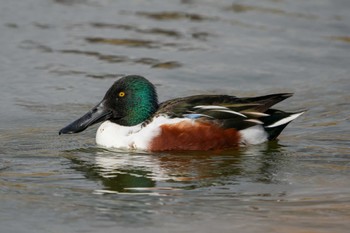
[(255, 121), (259, 114), (232, 112), (285, 120), (210, 107)]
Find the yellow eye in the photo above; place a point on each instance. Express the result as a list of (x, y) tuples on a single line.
[(121, 94)]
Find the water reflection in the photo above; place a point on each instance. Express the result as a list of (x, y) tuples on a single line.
[(154, 63), (131, 172), (171, 33), (125, 42), (172, 15), (70, 2), (110, 58), (154, 31), (271, 160), (113, 179), (242, 8), (345, 39)]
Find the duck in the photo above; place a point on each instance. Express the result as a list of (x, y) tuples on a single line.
[(133, 119)]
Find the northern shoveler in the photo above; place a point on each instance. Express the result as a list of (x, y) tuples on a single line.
[(133, 119)]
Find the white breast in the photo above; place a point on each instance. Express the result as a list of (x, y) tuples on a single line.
[(112, 135)]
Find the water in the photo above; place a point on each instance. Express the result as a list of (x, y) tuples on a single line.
[(58, 58)]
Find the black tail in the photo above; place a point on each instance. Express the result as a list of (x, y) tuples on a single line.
[(277, 121)]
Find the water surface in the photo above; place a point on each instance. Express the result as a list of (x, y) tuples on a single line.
[(58, 58)]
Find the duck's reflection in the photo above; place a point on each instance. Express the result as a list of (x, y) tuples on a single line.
[(121, 171)]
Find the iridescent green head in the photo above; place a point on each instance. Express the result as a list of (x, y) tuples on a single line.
[(130, 101)]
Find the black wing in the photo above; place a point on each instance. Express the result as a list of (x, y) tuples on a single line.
[(228, 111)]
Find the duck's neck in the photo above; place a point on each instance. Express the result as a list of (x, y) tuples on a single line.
[(138, 114)]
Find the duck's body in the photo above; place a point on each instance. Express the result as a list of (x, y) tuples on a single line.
[(164, 134), (134, 119)]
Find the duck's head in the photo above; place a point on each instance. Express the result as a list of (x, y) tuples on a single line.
[(130, 101)]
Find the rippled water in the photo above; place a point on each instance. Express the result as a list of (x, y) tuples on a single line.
[(58, 57)]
